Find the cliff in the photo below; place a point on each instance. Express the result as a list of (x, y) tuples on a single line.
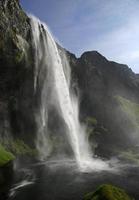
[(101, 84), (16, 71), (104, 87)]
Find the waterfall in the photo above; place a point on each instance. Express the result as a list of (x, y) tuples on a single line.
[(50, 73)]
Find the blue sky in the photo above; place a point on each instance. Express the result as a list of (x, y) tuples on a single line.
[(108, 26)]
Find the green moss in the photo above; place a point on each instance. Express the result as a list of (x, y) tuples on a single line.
[(94, 128), (107, 192), (90, 131), (19, 57), (5, 156), (91, 121), (18, 147), (12, 49), (131, 109), (130, 156)]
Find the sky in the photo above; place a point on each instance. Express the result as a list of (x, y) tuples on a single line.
[(108, 26)]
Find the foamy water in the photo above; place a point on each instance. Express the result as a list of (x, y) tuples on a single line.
[(47, 58)]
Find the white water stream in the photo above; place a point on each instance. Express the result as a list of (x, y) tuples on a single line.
[(48, 60)]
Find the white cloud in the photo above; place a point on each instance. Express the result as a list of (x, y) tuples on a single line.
[(117, 40), (121, 44), (108, 26)]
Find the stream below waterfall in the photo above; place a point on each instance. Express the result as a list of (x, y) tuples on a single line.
[(60, 180)]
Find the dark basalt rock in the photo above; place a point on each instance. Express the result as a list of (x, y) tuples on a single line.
[(107, 192), (16, 71), (6, 178), (100, 81)]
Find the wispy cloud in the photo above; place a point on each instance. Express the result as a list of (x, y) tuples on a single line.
[(108, 26)]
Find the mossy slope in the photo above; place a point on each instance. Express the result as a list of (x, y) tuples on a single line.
[(131, 109), (5, 156), (19, 147), (107, 192)]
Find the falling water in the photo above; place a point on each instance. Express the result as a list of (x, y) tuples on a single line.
[(48, 61)]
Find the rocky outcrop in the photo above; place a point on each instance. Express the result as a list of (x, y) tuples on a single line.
[(16, 84), (16, 71), (100, 81), (6, 177), (107, 192)]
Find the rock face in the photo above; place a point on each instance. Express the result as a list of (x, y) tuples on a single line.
[(107, 192), (6, 177), (16, 71), (16, 83), (100, 84), (6, 172)]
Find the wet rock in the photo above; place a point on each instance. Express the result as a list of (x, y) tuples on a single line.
[(107, 192)]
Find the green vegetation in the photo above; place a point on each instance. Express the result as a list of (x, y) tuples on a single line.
[(13, 33), (18, 147), (130, 156), (131, 109), (9, 149), (107, 192), (94, 128), (5, 156), (91, 121)]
